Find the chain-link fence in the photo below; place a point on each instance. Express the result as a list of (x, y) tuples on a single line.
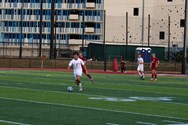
[(31, 50), (59, 63)]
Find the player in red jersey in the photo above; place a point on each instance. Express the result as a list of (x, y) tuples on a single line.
[(85, 71), (153, 65)]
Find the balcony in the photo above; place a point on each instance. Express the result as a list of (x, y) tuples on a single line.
[(75, 42), (73, 17), (90, 5), (89, 30)]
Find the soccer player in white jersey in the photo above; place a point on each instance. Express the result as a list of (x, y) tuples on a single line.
[(76, 63), (140, 69)]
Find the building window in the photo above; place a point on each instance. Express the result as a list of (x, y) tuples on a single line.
[(161, 35), (182, 23), (169, 0), (136, 12)]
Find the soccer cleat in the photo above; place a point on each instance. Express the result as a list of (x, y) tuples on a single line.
[(142, 78), (80, 89), (151, 79), (155, 79)]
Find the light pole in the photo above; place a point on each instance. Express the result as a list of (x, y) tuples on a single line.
[(52, 30), (21, 33), (55, 25), (142, 33), (184, 59), (149, 28), (104, 39), (83, 27), (40, 42), (169, 24), (127, 33)]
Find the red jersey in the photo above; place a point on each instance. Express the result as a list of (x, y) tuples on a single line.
[(154, 62), (82, 58)]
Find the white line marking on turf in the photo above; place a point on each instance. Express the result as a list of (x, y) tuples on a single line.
[(145, 123), (179, 124), (168, 121), (90, 108), (11, 122), (74, 93), (112, 99), (121, 89), (111, 124)]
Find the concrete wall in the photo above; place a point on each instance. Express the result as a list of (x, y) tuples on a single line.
[(159, 11)]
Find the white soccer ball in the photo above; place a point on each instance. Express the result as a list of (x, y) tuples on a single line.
[(70, 89)]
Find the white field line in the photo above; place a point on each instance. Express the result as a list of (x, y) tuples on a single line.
[(11, 122), (111, 124), (79, 94), (123, 89), (145, 123), (90, 108), (179, 124), (130, 90), (169, 121), (104, 82)]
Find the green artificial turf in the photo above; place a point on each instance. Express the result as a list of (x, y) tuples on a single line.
[(40, 98)]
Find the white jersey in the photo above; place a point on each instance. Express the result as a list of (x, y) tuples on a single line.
[(76, 65), (140, 60), (140, 66)]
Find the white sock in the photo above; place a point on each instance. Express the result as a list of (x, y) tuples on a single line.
[(80, 85), (143, 75)]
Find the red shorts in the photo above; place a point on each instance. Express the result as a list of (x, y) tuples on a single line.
[(154, 68)]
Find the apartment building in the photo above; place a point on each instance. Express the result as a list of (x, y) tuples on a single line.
[(70, 16)]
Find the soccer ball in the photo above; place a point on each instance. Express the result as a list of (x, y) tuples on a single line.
[(70, 89)]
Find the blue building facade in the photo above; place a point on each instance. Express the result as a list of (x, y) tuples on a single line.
[(68, 21)]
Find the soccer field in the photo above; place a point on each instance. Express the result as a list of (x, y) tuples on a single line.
[(40, 98)]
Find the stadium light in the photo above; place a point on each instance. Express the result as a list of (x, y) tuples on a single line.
[(184, 59)]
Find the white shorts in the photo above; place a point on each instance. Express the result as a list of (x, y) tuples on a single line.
[(140, 68), (76, 74)]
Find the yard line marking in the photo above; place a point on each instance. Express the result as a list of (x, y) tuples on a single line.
[(77, 93), (168, 121), (11, 122), (90, 108), (179, 124), (111, 124), (145, 123)]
